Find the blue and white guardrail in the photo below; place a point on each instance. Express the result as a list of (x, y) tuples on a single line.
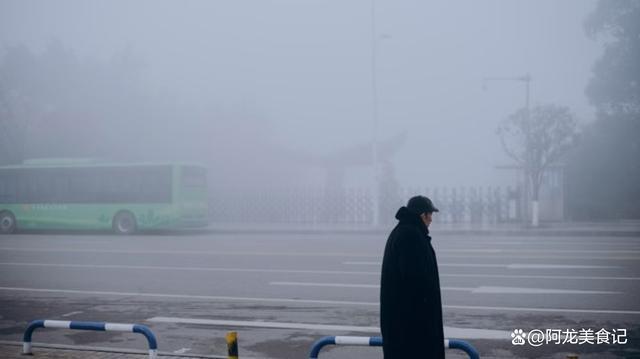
[(377, 342), (96, 326)]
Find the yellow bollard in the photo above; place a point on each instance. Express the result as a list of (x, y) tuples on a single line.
[(232, 345)]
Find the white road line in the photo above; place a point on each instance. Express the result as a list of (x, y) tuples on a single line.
[(461, 333), (551, 251), (543, 310), (369, 263), (515, 276), (474, 290), (203, 269), (619, 251), (304, 301), (546, 256), (557, 266), (70, 314), (600, 243), (194, 252), (300, 271), (187, 296), (334, 285), (311, 254), (508, 266), (519, 290), (471, 250), (261, 324)]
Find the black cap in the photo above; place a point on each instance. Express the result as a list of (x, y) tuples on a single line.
[(421, 204)]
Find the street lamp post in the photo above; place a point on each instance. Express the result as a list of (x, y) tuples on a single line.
[(526, 79), (374, 114)]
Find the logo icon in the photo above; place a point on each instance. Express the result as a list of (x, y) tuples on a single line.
[(518, 336)]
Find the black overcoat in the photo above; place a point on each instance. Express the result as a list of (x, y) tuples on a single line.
[(410, 304)]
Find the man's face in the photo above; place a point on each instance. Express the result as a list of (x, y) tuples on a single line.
[(426, 218)]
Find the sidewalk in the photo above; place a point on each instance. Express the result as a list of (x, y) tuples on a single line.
[(13, 350), (615, 229)]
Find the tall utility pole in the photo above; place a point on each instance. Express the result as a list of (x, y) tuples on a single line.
[(526, 79), (374, 115)]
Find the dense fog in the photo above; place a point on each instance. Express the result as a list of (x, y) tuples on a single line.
[(294, 92)]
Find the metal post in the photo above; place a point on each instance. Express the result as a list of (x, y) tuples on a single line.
[(374, 114), (96, 326), (232, 345), (377, 342), (526, 79)]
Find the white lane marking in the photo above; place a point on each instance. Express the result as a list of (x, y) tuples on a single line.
[(472, 250), (260, 324), (350, 285), (195, 252), (462, 333), (505, 276), (543, 310), (623, 251), (70, 314), (546, 256), (508, 266), (204, 269), (552, 251), (475, 290), (187, 296), (301, 271), (182, 351), (527, 250), (557, 266), (302, 301), (524, 244), (364, 263), (308, 254), (518, 290), (334, 285), (471, 265)]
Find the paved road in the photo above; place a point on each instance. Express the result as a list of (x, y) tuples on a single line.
[(283, 291)]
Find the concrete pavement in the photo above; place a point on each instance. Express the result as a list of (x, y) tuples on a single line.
[(624, 228), (13, 350), (283, 291)]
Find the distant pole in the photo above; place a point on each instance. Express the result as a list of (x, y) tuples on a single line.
[(535, 207), (374, 114), (526, 79)]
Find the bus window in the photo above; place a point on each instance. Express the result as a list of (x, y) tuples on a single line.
[(194, 177)]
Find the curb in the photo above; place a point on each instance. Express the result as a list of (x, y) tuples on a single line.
[(82, 348), (475, 232)]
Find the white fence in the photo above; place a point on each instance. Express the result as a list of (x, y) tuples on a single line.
[(355, 205)]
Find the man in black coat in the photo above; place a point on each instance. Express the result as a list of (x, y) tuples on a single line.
[(410, 304)]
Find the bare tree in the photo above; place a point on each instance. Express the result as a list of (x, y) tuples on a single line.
[(537, 139)]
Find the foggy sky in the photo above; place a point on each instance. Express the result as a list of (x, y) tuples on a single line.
[(304, 67)]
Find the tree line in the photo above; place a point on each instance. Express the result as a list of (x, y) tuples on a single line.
[(602, 160)]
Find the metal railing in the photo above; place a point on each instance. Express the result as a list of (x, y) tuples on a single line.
[(377, 342), (95, 326), (353, 206)]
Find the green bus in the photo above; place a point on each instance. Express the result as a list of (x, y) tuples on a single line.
[(85, 195)]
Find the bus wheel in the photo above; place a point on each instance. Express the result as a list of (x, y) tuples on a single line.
[(7, 222), (124, 222)]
